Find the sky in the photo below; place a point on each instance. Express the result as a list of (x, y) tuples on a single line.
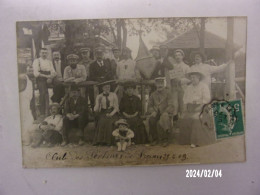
[(217, 26)]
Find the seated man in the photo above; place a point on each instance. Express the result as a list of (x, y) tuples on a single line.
[(160, 108), (76, 115), (49, 130)]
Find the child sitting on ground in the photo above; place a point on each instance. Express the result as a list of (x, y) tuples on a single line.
[(122, 135), (48, 131)]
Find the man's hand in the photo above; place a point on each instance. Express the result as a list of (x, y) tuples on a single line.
[(109, 114), (154, 114)]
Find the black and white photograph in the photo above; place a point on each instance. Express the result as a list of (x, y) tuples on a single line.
[(132, 91)]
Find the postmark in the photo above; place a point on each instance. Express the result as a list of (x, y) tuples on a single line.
[(228, 118)]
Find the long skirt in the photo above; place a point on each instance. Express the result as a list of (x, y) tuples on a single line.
[(104, 129), (193, 132), (137, 126)]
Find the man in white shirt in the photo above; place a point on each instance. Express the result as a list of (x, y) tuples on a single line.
[(178, 81), (126, 67), (44, 72), (50, 130)]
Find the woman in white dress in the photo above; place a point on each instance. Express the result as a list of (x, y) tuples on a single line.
[(196, 95)]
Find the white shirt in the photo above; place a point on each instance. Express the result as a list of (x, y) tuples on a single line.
[(126, 69), (101, 102), (44, 65), (55, 120), (129, 133), (199, 94), (207, 70), (179, 70)]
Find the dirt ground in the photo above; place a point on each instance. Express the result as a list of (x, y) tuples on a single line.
[(225, 150)]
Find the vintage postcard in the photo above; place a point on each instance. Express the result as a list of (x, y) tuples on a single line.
[(124, 92)]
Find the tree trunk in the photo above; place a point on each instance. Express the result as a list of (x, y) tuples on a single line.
[(124, 34), (119, 38), (202, 35)]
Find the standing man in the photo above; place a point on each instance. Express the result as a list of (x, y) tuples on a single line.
[(166, 63), (178, 81), (115, 61), (159, 69), (44, 73), (126, 69), (76, 115), (58, 88), (160, 109), (100, 70), (86, 61)]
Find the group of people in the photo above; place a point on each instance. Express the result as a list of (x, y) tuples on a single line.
[(180, 93)]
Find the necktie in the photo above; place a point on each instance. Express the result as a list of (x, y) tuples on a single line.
[(107, 100)]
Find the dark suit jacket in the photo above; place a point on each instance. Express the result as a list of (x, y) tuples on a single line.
[(81, 106), (63, 65), (101, 74)]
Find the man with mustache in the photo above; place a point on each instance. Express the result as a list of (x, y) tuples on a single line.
[(160, 109)]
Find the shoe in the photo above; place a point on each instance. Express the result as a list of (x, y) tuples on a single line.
[(154, 143), (193, 146), (81, 143), (63, 144), (49, 145), (165, 144)]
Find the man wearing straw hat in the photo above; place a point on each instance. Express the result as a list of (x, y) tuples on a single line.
[(178, 81)]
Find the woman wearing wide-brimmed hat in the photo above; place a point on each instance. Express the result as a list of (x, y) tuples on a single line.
[(106, 107), (197, 94)]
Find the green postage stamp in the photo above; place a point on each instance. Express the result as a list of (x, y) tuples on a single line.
[(228, 118)]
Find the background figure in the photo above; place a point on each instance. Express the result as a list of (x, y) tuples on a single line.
[(160, 108), (192, 131), (86, 61), (123, 135), (206, 69), (166, 63), (126, 67), (106, 108), (58, 88), (178, 81), (44, 73), (115, 61), (131, 108), (76, 115)]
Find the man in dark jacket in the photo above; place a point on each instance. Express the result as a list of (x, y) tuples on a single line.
[(76, 115), (100, 70)]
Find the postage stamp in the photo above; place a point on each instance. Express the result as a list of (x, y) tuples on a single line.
[(228, 118)]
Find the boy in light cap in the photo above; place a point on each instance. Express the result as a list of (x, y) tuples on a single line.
[(123, 135)]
